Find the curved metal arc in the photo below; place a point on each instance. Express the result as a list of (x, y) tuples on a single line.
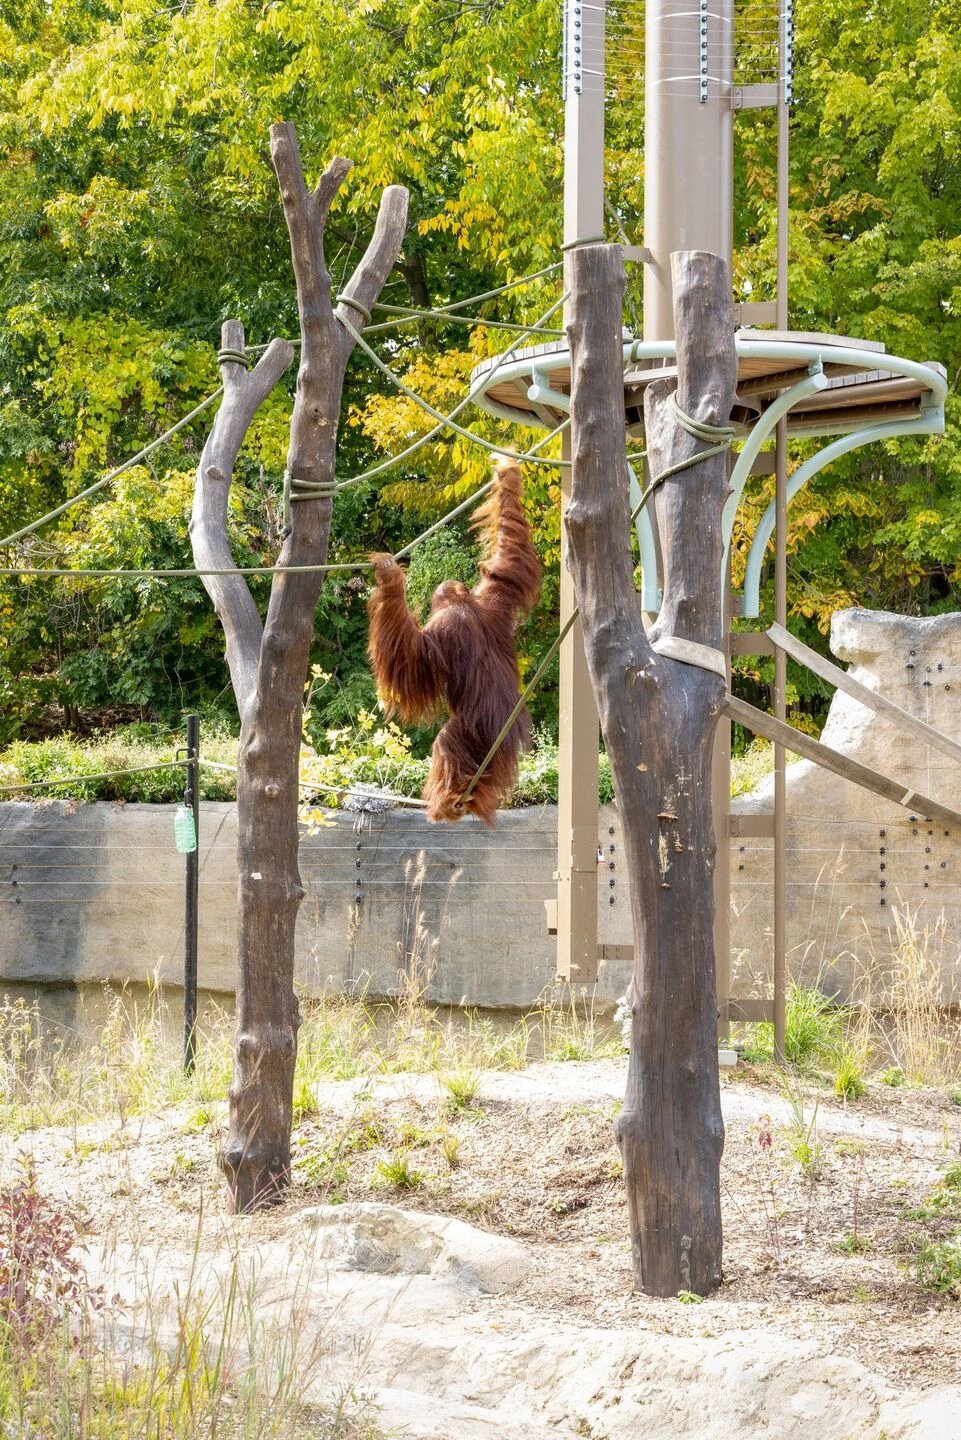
[(760, 432), (650, 594), (931, 422)]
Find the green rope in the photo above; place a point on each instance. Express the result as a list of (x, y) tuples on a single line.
[(587, 240), (235, 357), (188, 574), (127, 465), (445, 420), (354, 305), (323, 787), (700, 430), (77, 779), (244, 357), (408, 316), (461, 405), (297, 488), (454, 305)]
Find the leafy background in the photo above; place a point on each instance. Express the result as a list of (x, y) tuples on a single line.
[(138, 210)]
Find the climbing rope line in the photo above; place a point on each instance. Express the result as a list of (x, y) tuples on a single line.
[(444, 310), (408, 315), (242, 357), (444, 421), (189, 572), (106, 480), (322, 787), (83, 779)]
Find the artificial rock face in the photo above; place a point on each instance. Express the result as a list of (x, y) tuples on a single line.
[(862, 870)]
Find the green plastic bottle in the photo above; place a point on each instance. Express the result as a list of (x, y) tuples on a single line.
[(185, 831)]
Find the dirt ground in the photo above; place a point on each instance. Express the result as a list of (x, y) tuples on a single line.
[(818, 1250)]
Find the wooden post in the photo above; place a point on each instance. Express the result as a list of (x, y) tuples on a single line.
[(659, 716), (268, 660)]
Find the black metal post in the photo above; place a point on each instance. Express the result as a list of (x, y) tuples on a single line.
[(192, 801)]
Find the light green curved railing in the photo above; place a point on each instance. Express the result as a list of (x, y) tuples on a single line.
[(852, 434)]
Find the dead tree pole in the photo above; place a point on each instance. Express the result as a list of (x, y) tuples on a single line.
[(658, 716), (268, 661)]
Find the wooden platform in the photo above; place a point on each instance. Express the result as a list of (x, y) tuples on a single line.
[(857, 395)]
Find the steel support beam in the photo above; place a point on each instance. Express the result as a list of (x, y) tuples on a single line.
[(578, 728)]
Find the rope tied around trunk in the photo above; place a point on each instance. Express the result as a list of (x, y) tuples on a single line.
[(296, 488)]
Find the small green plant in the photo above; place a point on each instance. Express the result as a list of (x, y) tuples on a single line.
[(688, 1297), (398, 1172), (812, 1026), (893, 1077), (614, 1169), (849, 1081), (956, 1097), (463, 1087), (851, 1147), (801, 1131), (450, 1149), (857, 1244), (937, 1266), (944, 1201), (812, 1030)]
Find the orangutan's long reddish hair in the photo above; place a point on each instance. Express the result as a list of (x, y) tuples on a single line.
[(463, 657)]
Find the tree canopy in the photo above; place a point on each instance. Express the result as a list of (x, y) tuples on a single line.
[(138, 210)]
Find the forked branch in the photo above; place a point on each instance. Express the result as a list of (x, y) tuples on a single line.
[(232, 600)]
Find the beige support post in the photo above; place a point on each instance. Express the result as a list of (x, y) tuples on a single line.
[(721, 810), (688, 143), (578, 743), (780, 552), (689, 205), (578, 728)]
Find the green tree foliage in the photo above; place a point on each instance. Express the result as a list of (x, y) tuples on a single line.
[(138, 209)]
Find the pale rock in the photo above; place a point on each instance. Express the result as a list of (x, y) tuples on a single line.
[(385, 1240), (852, 857)]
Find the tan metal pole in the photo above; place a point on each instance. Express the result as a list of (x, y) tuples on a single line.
[(780, 548), (689, 205), (688, 143), (578, 728)]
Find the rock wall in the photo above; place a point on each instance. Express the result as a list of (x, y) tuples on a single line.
[(95, 892), (857, 863)]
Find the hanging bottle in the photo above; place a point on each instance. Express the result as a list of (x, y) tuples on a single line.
[(185, 831)]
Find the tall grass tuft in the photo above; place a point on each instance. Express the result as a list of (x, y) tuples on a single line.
[(905, 1005)]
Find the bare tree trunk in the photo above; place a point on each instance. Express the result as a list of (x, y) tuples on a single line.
[(268, 664), (658, 717)]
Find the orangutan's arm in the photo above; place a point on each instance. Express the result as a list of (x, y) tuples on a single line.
[(404, 669)]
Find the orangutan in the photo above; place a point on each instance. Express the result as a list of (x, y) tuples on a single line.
[(463, 658)]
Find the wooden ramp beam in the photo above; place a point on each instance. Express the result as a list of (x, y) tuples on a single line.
[(781, 733), (841, 680)]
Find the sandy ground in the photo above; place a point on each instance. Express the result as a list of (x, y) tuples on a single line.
[(823, 1252)]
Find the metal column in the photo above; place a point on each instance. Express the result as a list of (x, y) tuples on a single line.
[(689, 205), (785, 83), (191, 894), (688, 143), (578, 730)]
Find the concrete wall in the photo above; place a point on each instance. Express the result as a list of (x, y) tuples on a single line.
[(94, 892)]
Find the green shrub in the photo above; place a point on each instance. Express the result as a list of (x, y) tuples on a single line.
[(937, 1266)]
